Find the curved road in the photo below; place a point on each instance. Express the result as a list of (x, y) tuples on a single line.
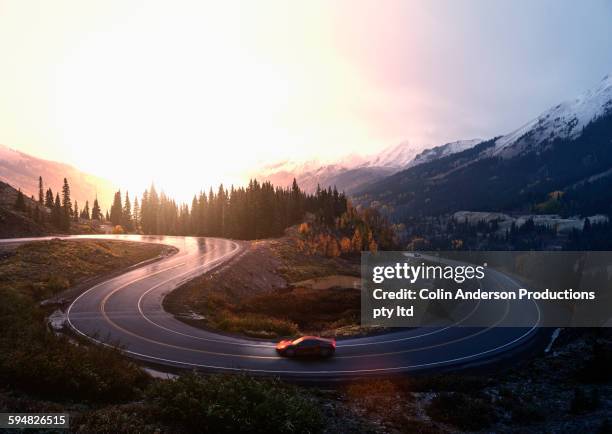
[(126, 310)]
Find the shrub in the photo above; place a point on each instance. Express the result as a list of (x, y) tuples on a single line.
[(36, 361), (469, 384), (583, 402), (597, 367), (524, 409), (57, 283), (463, 411), (605, 427), (233, 403), (255, 325)]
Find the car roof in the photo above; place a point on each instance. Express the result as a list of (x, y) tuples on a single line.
[(316, 338)]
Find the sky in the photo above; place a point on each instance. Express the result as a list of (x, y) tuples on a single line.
[(189, 94)]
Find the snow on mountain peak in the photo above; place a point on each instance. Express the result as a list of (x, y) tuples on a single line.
[(395, 156), (443, 150), (565, 120)]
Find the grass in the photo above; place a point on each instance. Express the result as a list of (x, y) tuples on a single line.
[(44, 268), (254, 325), (269, 293), (103, 391), (38, 362), (462, 411), (283, 312), (297, 266)]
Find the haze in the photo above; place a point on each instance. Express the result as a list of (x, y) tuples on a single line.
[(189, 94)]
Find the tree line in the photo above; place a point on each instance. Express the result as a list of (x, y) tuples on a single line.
[(59, 211), (258, 210), (328, 223)]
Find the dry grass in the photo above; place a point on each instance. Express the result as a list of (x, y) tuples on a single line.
[(256, 294), (42, 269)]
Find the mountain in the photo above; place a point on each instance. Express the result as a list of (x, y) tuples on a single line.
[(397, 156), (564, 121), (566, 149), (14, 223), (443, 151), (22, 171), (354, 171)]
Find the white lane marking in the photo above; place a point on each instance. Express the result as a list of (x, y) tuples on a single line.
[(302, 372), (339, 344), (327, 372), (122, 286)]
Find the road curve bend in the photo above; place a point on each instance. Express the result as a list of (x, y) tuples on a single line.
[(127, 311)]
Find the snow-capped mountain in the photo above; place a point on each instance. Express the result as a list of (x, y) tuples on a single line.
[(566, 149), (565, 121), (443, 151), (399, 155), (355, 171)]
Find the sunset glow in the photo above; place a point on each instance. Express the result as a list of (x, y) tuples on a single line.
[(211, 89)]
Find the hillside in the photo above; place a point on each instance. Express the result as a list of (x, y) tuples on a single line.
[(13, 223), (354, 173), (22, 171), (566, 149)]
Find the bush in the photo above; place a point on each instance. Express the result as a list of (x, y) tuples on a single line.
[(118, 230), (583, 402), (449, 383), (233, 403), (36, 361), (463, 411), (605, 428), (117, 419), (597, 367), (255, 325), (524, 409)]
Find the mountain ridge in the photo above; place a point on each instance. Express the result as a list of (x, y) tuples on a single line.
[(22, 170), (566, 148)]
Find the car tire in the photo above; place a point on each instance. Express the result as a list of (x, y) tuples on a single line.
[(290, 352), (325, 352)]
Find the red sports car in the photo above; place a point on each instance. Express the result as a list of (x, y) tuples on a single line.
[(307, 346)]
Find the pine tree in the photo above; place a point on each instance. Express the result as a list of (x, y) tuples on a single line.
[(57, 213), (49, 198), (126, 214), (36, 214), (41, 194), (85, 212), (96, 214), (66, 205), (116, 211), (75, 212), (20, 204), (136, 215), (107, 218)]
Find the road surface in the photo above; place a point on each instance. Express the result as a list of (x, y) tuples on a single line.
[(127, 311)]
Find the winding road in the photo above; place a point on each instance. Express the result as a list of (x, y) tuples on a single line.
[(127, 311)]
